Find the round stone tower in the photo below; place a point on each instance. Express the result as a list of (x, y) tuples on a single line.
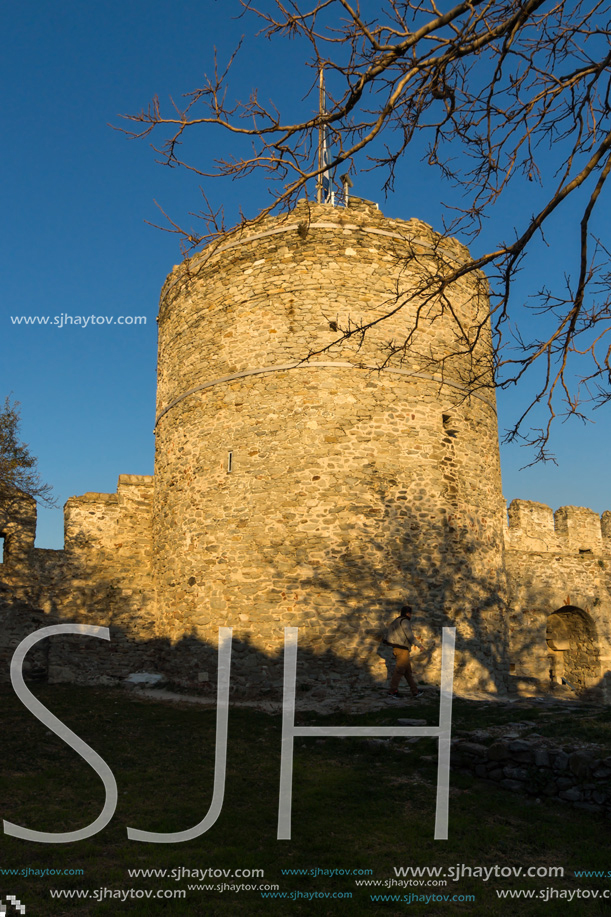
[(302, 481)]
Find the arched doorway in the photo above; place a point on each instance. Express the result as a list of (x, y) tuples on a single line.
[(573, 648)]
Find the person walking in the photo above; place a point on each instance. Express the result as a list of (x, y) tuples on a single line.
[(401, 637)]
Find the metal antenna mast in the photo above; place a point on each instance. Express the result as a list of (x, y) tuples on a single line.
[(321, 111)]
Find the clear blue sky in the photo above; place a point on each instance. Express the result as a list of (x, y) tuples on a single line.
[(75, 198)]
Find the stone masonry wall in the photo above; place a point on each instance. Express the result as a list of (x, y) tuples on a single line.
[(103, 576), (559, 572), (537, 768), (324, 494)]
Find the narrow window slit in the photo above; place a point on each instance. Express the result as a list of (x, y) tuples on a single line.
[(448, 428)]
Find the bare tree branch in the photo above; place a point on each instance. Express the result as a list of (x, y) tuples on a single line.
[(502, 92)]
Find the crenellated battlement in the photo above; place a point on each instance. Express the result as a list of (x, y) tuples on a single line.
[(102, 521), (571, 529), (91, 521)]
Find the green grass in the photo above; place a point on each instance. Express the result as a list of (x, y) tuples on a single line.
[(356, 805)]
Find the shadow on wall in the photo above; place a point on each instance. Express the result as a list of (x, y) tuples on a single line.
[(190, 664), (39, 588), (573, 648), (447, 568)]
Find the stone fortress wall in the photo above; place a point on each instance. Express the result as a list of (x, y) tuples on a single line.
[(102, 576), (320, 493), (559, 570)]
